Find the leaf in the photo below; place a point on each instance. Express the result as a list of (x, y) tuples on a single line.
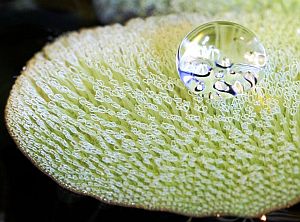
[(103, 112)]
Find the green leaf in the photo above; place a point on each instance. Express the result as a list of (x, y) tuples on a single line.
[(103, 112)]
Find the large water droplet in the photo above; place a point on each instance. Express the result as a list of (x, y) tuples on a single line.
[(222, 58)]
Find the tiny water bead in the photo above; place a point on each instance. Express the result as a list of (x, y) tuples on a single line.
[(220, 59)]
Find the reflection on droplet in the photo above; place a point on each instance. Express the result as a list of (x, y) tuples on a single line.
[(237, 87), (214, 95), (213, 58), (232, 72), (261, 60), (221, 86), (224, 63), (263, 218), (220, 74), (250, 78), (195, 85), (194, 66), (199, 87)]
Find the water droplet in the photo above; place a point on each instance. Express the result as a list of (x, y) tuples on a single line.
[(214, 57)]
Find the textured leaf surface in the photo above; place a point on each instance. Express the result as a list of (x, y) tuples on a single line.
[(103, 112)]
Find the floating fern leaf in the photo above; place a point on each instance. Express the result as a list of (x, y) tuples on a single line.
[(103, 112)]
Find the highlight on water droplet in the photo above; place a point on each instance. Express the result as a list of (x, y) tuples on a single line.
[(220, 58), (263, 218)]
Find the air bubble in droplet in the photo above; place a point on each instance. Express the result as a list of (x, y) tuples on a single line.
[(220, 74), (221, 86), (238, 87), (200, 86), (220, 58), (193, 83)]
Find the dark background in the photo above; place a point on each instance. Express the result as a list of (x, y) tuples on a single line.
[(26, 194)]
